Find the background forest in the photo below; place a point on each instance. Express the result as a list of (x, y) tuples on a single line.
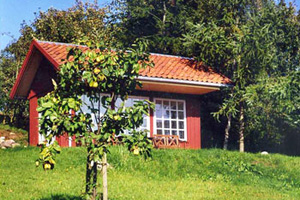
[(256, 43)]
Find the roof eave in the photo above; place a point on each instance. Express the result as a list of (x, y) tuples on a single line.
[(22, 71), (33, 47), (177, 81)]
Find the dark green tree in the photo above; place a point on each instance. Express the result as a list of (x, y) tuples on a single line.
[(261, 41), (13, 112), (160, 22)]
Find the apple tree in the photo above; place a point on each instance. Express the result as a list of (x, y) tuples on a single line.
[(102, 76)]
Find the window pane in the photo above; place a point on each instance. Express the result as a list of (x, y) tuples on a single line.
[(118, 103), (166, 124), (173, 115), (159, 124), (180, 115), (158, 105), (174, 125), (166, 105), (181, 134), (173, 105), (158, 113), (174, 132), (180, 105), (129, 102), (87, 105), (144, 125), (166, 114), (159, 132), (181, 125), (167, 132)]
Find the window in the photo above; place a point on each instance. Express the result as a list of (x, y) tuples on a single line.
[(129, 102), (170, 118), (87, 104)]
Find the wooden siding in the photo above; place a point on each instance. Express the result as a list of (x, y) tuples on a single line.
[(33, 122), (193, 123)]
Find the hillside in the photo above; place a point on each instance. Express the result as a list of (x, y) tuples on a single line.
[(16, 134), (170, 174)]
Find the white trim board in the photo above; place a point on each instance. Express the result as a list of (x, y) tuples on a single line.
[(176, 81)]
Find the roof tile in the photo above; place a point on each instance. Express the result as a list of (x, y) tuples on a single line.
[(166, 66)]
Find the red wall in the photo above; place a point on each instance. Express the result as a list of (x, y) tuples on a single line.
[(192, 119), (42, 84), (33, 122), (193, 123), (63, 140)]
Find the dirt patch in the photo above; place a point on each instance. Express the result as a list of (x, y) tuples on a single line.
[(17, 137)]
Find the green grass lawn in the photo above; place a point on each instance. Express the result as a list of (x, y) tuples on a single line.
[(170, 174)]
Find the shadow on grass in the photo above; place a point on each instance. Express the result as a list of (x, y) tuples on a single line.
[(62, 197), (67, 197)]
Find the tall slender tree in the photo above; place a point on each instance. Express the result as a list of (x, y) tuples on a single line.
[(262, 41)]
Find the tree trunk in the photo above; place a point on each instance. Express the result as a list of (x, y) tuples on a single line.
[(104, 173), (4, 121), (164, 21), (164, 16), (91, 177), (94, 190), (12, 117), (88, 175), (242, 128), (225, 146)]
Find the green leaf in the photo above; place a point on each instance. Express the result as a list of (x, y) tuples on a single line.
[(71, 103), (105, 72), (47, 104)]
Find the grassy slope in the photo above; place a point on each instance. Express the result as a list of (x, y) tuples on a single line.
[(19, 135), (171, 174)]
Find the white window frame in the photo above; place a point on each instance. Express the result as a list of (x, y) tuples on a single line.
[(184, 117), (70, 141)]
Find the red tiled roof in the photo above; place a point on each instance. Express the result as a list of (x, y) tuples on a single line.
[(166, 66)]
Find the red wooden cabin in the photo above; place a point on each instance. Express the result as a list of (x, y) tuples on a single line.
[(174, 85)]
